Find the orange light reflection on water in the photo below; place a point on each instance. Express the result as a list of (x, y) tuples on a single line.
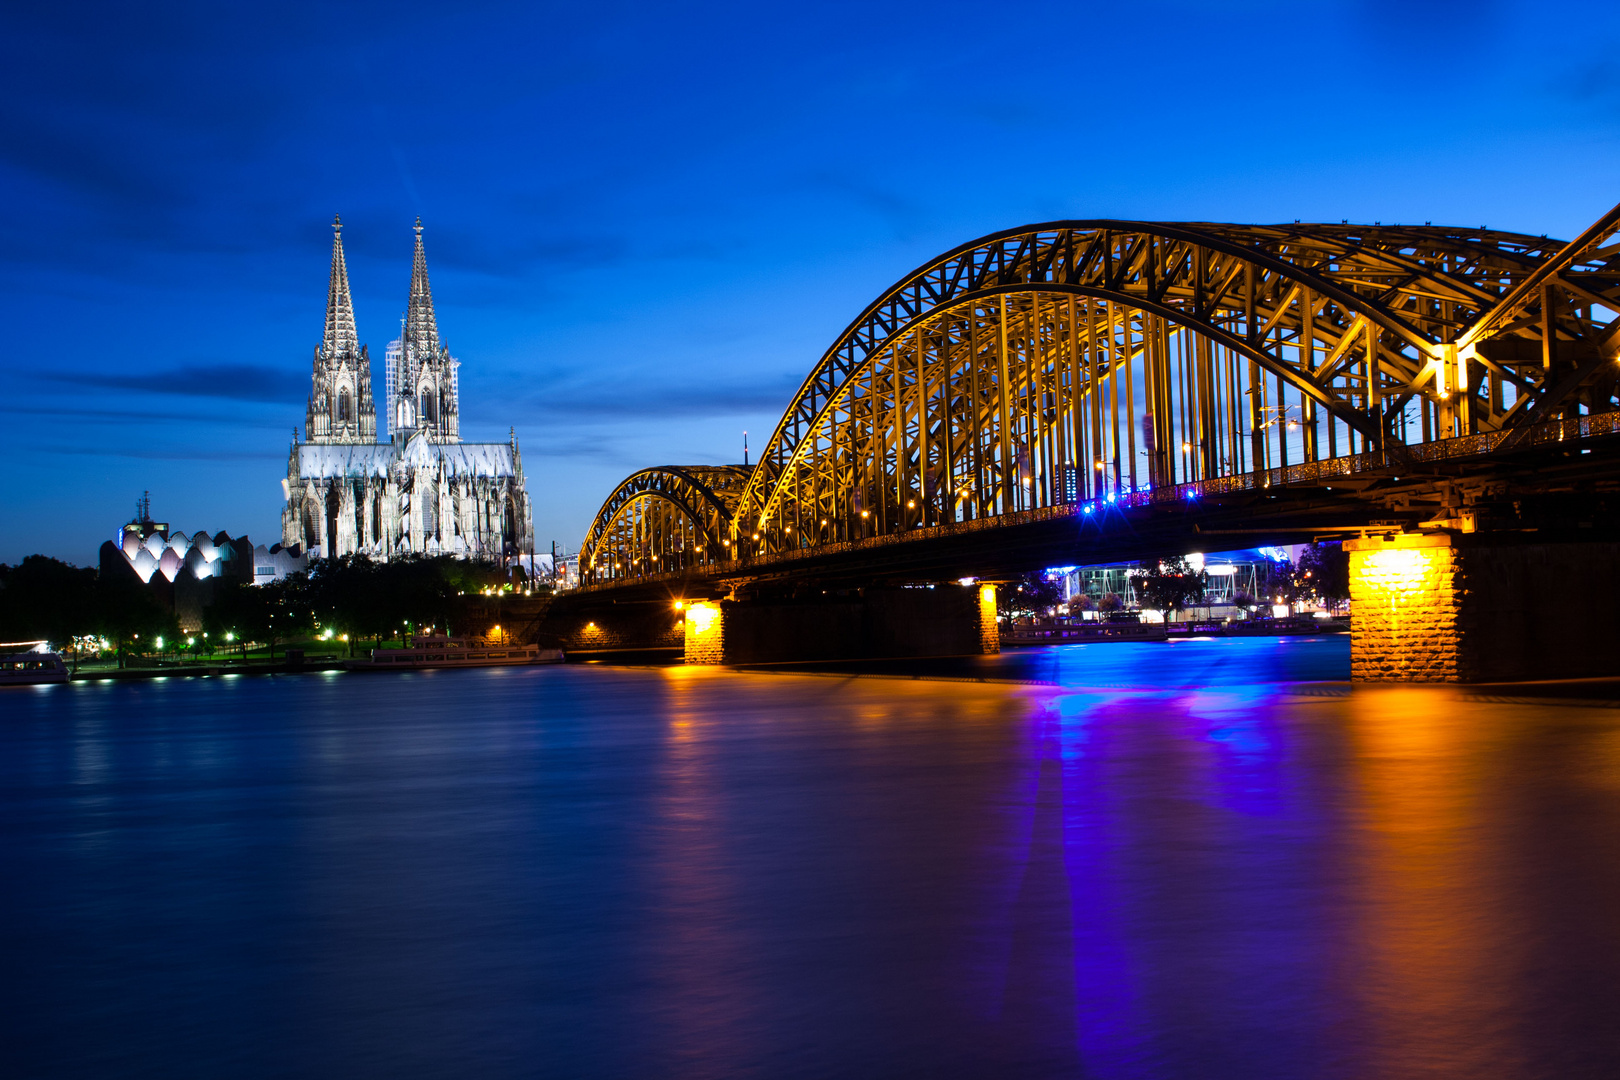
[(1427, 944)]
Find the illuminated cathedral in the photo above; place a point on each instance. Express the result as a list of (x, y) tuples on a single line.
[(423, 490)]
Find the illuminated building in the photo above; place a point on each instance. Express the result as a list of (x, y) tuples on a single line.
[(424, 490), (180, 570)]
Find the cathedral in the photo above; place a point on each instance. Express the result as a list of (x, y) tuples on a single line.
[(423, 490)]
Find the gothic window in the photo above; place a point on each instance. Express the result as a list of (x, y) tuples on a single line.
[(444, 403), (430, 513), (429, 414), (343, 405), (334, 511)]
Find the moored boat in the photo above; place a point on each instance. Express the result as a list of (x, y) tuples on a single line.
[(32, 669)]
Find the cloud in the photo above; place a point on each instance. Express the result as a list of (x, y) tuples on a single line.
[(82, 164), (594, 402), (163, 453), (234, 421), (585, 449), (229, 381)]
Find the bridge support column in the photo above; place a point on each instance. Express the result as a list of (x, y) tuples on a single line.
[(1477, 607), (946, 620), (989, 629), (705, 633)]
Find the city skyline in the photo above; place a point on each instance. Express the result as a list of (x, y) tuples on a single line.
[(646, 228)]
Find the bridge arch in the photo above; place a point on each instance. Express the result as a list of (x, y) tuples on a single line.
[(1077, 360), (661, 519), (1331, 331)]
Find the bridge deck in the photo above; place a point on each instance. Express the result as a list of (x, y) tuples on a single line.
[(1390, 490)]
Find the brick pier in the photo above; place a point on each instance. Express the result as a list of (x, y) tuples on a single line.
[(1482, 607)]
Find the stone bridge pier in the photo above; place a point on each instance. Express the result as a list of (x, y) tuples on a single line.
[(871, 623), (1448, 606), (849, 624)]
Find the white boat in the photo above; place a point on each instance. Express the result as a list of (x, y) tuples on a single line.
[(32, 669), (452, 652)]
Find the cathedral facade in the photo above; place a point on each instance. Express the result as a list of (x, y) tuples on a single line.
[(423, 490)]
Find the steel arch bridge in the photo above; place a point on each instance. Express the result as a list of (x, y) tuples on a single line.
[(665, 519), (1049, 367)]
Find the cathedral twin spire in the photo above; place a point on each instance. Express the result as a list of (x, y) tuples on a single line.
[(422, 378), (341, 339), (425, 381), (340, 406), (421, 328)]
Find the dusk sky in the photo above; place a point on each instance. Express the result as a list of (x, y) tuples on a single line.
[(645, 223)]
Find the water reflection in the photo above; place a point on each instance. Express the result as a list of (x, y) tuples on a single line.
[(1430, 923), (702, 966), (680, 872)]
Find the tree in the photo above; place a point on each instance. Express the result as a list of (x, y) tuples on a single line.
[(46, 598), (1278, 582), (1034, 594), (421, 590), (344, 596), (1324, 572), (128, 615), (286, 609), (271, 614), (228, 615), (1171, 585)]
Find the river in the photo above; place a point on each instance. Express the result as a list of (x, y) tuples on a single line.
[(1203, 860)]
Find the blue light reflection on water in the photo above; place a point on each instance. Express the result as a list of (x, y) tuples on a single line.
[(1150, 869), (1132, 885), (1186, 664)]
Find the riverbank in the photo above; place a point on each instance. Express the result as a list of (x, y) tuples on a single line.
[(204, 670)]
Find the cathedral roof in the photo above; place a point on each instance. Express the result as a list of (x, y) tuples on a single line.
[(331, 460), (341, 339)]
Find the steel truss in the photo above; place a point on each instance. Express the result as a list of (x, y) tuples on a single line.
[(663, 519), (1079, 360)]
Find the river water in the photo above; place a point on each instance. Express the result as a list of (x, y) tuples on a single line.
[(1147, 860)]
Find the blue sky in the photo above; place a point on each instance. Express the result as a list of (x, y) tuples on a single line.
[(646, 222)]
